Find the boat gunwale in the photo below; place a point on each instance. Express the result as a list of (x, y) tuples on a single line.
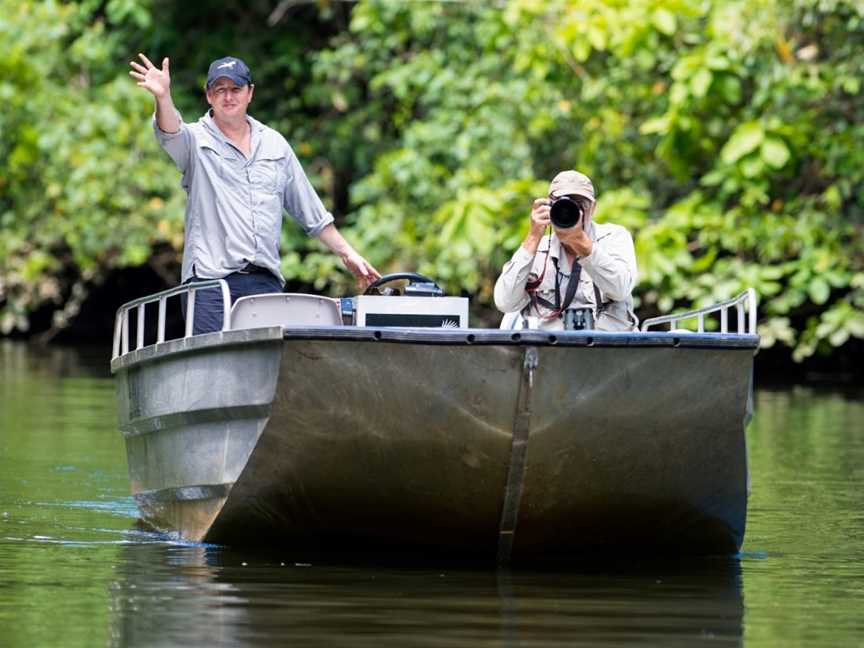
[(440, 337), (195, 343), (523, 337)]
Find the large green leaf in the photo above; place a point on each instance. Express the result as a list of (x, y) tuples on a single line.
[(664, 20), (775, 152), (745, 139)]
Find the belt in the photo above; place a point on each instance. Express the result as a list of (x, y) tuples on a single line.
[(251, 268)]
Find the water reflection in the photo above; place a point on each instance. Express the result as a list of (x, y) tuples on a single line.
[(196, 596), (19, 360)]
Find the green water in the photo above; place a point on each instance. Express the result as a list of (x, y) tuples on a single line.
[(75, 570)]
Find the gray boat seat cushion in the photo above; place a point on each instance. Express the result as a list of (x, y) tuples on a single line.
[(285, 309)]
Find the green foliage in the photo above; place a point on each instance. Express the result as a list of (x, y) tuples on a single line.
[(724, 134), (83, 187)]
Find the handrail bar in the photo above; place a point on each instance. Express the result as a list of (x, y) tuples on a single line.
[(121, 320), (746, 298)]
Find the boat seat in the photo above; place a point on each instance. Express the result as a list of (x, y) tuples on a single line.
[(285, 309)]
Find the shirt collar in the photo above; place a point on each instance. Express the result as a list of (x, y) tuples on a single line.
[(255, 129)]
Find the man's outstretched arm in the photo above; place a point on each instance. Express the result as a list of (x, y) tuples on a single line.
[(168, 126)]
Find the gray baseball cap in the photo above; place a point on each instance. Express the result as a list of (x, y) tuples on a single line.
[(229, 67)]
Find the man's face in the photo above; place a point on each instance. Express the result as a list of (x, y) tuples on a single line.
[(227, 99)]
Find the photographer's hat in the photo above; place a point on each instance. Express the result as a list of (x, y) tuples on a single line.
[(229, 67), (570, 183)]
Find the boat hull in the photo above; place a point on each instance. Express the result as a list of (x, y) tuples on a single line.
[(470, 444)]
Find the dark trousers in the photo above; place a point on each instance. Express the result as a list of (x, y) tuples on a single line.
[(208, 302)]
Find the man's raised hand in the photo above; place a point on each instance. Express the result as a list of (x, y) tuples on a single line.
[(157, 82)]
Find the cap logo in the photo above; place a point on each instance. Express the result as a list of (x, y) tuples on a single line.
[(229, 64)]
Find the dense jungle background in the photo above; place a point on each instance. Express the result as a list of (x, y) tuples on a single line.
[(728, 136)]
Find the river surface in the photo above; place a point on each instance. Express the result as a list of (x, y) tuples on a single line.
[(75, 569)]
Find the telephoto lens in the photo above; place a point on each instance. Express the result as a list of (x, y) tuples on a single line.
[(565, 212)]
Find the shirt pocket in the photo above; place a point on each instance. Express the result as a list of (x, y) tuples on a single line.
[(268, 174)]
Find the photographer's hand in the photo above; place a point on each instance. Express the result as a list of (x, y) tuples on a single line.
[(575, 241), (539, 222)]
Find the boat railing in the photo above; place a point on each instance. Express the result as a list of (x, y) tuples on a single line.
[(745, 309), (121, 321), (744, 305)]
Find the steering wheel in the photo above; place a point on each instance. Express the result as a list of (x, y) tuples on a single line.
[(412, 277)]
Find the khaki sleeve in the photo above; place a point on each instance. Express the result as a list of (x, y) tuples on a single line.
[(510, 294), (612, 264)]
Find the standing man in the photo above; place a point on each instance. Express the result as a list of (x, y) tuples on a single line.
[(240, 176), (582, 275)]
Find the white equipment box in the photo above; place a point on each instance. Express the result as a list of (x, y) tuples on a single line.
[(435, 312)]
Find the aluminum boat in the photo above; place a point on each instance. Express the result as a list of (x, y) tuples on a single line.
[(293, 429)]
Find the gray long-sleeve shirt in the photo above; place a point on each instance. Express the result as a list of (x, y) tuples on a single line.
[(235, 204), (611, 266)]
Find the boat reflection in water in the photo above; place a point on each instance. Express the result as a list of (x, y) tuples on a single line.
[(291, 429), (199, 596)]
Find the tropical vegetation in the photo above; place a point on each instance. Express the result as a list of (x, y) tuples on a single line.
[(725, 134)]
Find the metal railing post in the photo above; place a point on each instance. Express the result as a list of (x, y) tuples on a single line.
[(226, 307), (160, 327), (115, 347), (120, 345), (190, 312), (139, 327), (124, 346), (751, 307)]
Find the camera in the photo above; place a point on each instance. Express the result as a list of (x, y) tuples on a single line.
[(565, 212)]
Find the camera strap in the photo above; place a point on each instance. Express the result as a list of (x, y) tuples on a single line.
[(572, 285), (601, 305), (558, 307)]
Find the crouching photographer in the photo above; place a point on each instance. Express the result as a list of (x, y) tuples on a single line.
[(580, 276)]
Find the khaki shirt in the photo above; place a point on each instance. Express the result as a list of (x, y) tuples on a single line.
[(611, 266)]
